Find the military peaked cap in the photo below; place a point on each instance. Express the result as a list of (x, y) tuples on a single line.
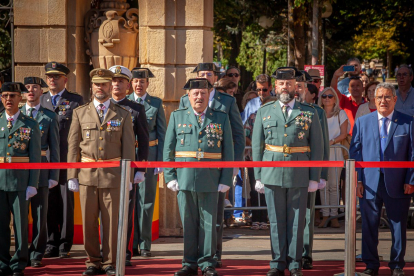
[(206, 67), (55, 68), (35, 80), (285, 73), (13, 87), (142, 73), (200, 83), (121, 72), (99, 75)]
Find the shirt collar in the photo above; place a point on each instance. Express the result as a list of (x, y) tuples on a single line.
[(389, 116), (204, 112), (60, 93), (106, 104), (14, 116), (36, 107), (211, 96), (143, 97), (291, 104)]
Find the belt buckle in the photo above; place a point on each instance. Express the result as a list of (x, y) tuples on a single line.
[(286, 149), (199, 155), (8, 159)]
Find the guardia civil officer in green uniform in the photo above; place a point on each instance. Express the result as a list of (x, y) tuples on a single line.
[(228, 104), (286, 130), (120, 85), (60, 216), (19, 143), (49, 132), (305, 98), (147, 189), (198, 133)]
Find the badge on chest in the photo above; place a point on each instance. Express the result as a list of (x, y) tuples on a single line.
[(24, 134), (214, 134), (63, 107), (113, 125)]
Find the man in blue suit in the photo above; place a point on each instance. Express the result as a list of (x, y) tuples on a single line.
[(385, 135)]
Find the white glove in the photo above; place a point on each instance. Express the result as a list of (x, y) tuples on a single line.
[(30, 191), (130, 186), (52, 183), (158, 170), (322, 184), (139, 177), (223, 188), (259, 187), (235, 171), (73, 185), (173, 185), (313, 186)]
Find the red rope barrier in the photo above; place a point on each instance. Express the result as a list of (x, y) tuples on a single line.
[(47, 166), (385, 164)]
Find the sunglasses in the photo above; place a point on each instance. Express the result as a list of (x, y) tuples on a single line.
[(324, 96), (11, 96), (233, 75), (262, 89)]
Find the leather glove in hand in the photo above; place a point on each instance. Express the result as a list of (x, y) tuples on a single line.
[(173, 185), (259, 187), (139, 177)]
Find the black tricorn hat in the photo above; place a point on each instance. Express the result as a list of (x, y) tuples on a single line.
[(55, 68), (207, 66), (285, 73), (13, 87), (306, 77), (200, 83), (35, 80), (142, 73)]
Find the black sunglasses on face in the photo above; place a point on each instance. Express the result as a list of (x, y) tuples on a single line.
[(233, 75), (262, 89), (327, 96)]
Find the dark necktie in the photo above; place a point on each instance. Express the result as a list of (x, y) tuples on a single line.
[(285, 110), (55, 100), (31, 112), (383, 137), (101, 108), (139, 100)]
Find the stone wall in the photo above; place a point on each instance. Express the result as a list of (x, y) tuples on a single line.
[(173, 36)]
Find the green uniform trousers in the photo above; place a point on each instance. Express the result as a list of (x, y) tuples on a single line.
[(219, 226), (15, 203), (145, 199), (39, 204), (286, 209), (309, 227), (198, 213)]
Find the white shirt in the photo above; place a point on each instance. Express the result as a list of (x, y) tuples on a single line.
[(14, 116), (203, 116), (36, 109), (106, 104), (60, 95), (143, 97), (211, 97), (291, 104), (388, 121)]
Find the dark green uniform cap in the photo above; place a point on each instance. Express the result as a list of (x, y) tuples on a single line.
[(200, 83), (35, 80), (206, 67), (142, 73), (13, 87), (55, 68)]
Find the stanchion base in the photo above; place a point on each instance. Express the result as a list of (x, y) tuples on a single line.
[(356, 274)]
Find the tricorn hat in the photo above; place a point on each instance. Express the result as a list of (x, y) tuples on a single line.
[(285, 73), (200, 83), (142, 73), (35, 80), (13, 87), (306, 77), (208, 66), (55, 68)]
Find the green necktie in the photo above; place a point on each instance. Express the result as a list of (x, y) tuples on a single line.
[(285, 109), (139, 100), (31, 112)]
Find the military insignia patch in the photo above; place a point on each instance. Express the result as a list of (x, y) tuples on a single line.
[(118, 70), (54, 65), (100, 73)]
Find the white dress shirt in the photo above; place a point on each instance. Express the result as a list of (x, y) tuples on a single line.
[(290, 105), (202, 113), (14, 116), (388, 121), (143, 97), (106, 104), (36, 109)]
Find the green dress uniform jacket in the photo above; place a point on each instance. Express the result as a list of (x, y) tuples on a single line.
[(198, 195), (22, 140)]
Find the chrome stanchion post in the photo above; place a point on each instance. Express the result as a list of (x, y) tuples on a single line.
[(350, 219), (123, 217)]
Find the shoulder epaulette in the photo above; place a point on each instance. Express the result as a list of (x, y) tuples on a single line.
[(268, 103), (184, 108), (28, 118), (117, 105), (82, 106)]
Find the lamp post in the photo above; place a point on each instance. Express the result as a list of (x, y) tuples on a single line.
[(265, 22)]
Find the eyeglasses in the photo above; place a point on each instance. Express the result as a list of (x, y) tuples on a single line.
[(324, 96), (404, 75), (233, 75), (11, 96), (262, 89), (386, 98), (205, 74), (55, 77)]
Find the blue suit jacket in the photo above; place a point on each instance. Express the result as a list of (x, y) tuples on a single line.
[(365, 146)]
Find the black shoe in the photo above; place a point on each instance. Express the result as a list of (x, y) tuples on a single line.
[(296, 272), (64, 255), (146, 253), (135, 252), (275, 272), (369, 271), (51, 253), (128, 263), (219, 264), (36, 263), (92, 271), (110, 270), (18, 272), (397, 272), (186, 271), (210, 271), (307, 263)]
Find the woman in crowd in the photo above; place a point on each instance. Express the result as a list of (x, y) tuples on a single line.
[(365, 80), (338, 128), (233, 74), (226, 85), (369, 106), (249, 96)]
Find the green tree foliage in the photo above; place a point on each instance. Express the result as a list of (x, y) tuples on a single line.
[(5, 41)]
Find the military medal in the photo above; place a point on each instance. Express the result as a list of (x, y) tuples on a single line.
[(16, 145), (41, 130), (23, 146), (179, 125), (9, 122), (190, 125), (210, 143), (2, 129), (301, 135), (182, 142), (218, 143)]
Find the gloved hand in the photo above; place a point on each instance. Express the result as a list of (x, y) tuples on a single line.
[(223, 188), (73, 185), (158, 170), (173, 185), (52, 183), (235, 171), (139, 177), (313, 186), (130, 186), (322, 184), (30, 191), (259, 187)]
